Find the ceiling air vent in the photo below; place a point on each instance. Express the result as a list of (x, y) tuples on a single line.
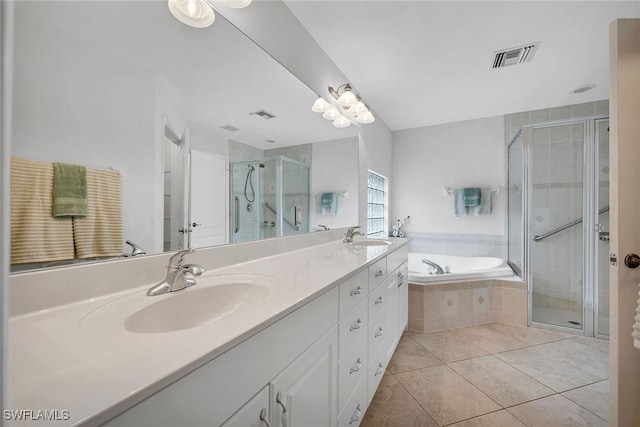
[(263, 114), (514, 55), (229, 128)]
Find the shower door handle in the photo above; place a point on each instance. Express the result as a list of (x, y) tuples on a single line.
[(236, 227)]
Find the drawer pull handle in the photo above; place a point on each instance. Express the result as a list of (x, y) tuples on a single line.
[(400, 276), (355, 291), (263, 417), (379, 273), (378, 333), (356, 415), (379, 301), (379, 371), (356, 368), (355, 325)]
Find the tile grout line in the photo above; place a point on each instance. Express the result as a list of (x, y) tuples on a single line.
[(416, 400)]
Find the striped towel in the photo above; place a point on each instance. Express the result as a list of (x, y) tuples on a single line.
[(100, 233), (459, 208), (36, 236)]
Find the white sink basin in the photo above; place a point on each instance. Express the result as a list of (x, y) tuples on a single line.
[(211, 299), (196, 307), (371, 242)]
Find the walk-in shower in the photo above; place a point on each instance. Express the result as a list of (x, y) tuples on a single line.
[(558, 221), (269, 198)]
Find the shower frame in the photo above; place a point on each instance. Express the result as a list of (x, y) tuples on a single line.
[(590, 180)]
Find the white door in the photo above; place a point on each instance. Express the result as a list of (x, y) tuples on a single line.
[(305, 394), (403, 300), (625, 205), (254, 413), (208, 210), (392, 315)]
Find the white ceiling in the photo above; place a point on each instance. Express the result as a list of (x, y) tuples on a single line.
[(419, 63)]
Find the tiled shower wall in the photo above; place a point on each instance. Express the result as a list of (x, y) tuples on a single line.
[(458, 244)]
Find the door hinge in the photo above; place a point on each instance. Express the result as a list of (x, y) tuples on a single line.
[(613, 259)]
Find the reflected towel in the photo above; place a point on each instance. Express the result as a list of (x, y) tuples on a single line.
[(329, 203), (36, 236), (459, 209), (484, 208), (327, 200), (471, 196), (100, 233), (69, 190)]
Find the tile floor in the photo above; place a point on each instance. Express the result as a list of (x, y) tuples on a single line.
[(494, 375)]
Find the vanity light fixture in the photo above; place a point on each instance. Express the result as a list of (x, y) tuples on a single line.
[(352, 103), (342, 122), (195, 13), (331, 113), (320, 106)]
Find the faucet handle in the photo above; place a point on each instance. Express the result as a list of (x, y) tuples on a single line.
[(176, 259)]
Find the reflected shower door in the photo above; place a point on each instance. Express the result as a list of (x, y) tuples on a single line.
[(515, 213), (295, 197), (602, 226), (556, 227)]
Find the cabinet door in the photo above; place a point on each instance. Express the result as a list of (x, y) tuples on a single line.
[(392, 315), (305, 393), (403, 299), (255, 413)]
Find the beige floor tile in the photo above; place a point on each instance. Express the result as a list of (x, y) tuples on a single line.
[(555, 411), (490, 338), (393, 406), (494, 419), (410, 355), (501, 382), (445, 395), (560, 365), (531, 336), (448, 346), (594, 397)]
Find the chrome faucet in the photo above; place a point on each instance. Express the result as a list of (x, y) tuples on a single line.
[(179, 276), (322, 227), (135, 249), (351, 233), (436, 267)]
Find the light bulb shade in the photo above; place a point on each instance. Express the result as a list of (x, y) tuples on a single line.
[(237, 4), (331, 114), (366, 118), (358, 109), (320, 106), (194, 13), (347, 99), (342, 122)]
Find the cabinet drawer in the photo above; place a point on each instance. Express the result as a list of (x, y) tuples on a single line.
[(355, 408), (353, 291), (375, 372), (377, 333), (377, 301), (351, 327), (352, 368), (377, 273), (397, 257)]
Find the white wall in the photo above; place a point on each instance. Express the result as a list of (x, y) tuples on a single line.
[(334, 169), (462, 154), (68, 107)]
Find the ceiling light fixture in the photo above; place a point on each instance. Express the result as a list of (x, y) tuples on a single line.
[(583, 88), (195, 13), (331, 113), (366, 118)]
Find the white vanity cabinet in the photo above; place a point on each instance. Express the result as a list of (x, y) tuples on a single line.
[(319, 366)]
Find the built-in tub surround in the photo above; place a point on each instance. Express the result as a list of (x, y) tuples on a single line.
[(487, 291), (68, 343)]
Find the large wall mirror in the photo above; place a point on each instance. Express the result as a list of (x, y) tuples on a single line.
[(209, 140)]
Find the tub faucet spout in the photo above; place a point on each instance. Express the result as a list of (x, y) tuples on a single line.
[(435, 266)]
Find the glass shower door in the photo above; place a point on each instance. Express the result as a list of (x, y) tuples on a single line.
[(295, 197), (602, 226), (556, 227)]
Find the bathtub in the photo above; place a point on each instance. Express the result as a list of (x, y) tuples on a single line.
[(461, 268)]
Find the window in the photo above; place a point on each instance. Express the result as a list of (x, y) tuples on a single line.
[(376, 205)]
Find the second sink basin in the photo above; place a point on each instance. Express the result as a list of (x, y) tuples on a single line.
[(196, 307)]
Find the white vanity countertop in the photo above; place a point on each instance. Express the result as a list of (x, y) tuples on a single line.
[(80, 358)]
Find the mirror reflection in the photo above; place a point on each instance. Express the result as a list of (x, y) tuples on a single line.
[(205, 137)]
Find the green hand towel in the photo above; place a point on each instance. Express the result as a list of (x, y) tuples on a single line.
[(471, 196), (327, 200), (69, 190)]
